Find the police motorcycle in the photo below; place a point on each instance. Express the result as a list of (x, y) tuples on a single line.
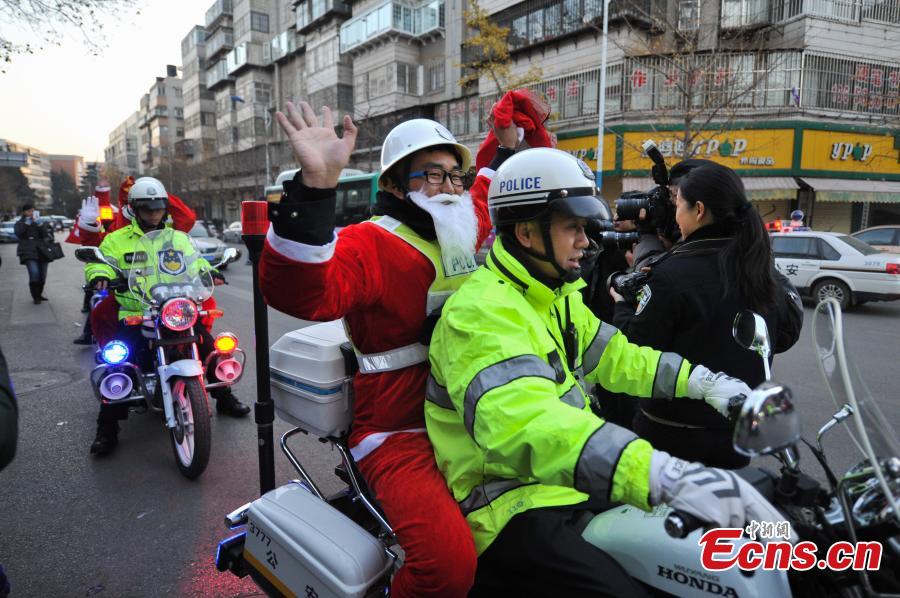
[(171, 285), (295, 540)]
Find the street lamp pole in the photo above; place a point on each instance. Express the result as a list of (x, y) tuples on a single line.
[(268, 167), (602, 93)]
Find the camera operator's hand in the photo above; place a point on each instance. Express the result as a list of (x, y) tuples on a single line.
[(320, 153), (616, 297)]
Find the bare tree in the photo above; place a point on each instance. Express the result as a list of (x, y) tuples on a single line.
[(486, 54), (46, 18), (697, 73)]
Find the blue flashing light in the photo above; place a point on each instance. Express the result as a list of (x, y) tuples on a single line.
[(226, 542), (115, 352)]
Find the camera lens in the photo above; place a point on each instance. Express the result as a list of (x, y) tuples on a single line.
[(629, 208), (613, 240)]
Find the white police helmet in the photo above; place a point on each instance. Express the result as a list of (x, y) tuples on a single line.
[(413, 135), (535, 182), (148, 192)]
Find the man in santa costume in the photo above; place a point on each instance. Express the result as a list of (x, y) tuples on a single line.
[(384, 277)]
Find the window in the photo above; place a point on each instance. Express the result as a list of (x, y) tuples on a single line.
[(801, 247), (434, 77), (856, 244), (179, 112), (177, 92), (160, 89), (179, 133), (880, 236), (407, 78), (828, 252), (259, 22), (262, 92), (207, 118), (353, 202)]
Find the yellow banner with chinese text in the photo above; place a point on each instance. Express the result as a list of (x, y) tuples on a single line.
[(585, 148)]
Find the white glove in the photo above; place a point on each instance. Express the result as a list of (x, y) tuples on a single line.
[(716, 388), (90, 212), (716, 496)]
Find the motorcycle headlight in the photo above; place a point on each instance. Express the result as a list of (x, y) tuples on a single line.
[(178, 314)]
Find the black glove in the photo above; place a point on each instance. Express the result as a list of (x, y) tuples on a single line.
[(218, 277)]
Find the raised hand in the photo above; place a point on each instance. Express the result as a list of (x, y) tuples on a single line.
[(320, 153)]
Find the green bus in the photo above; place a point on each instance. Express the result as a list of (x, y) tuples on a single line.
[(356, 192)]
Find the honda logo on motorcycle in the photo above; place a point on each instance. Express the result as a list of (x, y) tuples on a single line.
[(705, 585)]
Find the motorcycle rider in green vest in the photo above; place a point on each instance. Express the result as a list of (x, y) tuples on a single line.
[(508, 412)]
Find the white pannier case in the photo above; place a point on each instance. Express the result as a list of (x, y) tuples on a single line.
[(310, 385)]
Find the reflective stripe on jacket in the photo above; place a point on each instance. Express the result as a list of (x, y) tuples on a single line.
[(443, 285), (507, 412)]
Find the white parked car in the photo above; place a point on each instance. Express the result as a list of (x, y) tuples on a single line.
[(210, 247), (232, 234), (836, 265)]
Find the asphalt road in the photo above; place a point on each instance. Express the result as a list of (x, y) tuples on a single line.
[(131, 525)]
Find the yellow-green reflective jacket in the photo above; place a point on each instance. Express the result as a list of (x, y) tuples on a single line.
[(121, 246), (507, 412)]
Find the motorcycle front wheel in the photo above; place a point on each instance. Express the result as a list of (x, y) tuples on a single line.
[(191, 436)]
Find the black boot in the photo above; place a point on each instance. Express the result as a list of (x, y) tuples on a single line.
[(86, 302), (35, 289), (107, 438), (41, 291), (228, 404)]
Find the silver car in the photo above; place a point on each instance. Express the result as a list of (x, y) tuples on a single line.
[(210, 247), (233, 233), (8, 232)]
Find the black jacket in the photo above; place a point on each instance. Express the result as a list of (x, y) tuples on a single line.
[(689, 312), (30, 236)]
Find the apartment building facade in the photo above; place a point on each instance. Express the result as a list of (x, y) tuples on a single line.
[(199, 103), (161, 120), (122, 153), (34, 164), (801, 97)]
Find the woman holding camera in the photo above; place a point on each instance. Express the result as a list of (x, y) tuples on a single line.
[(722, 265)]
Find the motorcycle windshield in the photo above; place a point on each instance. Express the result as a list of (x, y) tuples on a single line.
[(868, 429), (166, 263)]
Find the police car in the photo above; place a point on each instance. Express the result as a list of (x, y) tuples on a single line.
[(836, 265)]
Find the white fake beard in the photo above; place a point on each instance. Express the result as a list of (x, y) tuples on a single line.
[(454, 222)]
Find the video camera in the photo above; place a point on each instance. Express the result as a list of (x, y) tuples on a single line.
[(657, 202)]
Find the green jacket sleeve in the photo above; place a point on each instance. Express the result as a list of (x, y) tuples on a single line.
[(620, 366), (93, 271), (486, 358)]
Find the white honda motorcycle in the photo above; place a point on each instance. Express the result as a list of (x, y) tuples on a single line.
[(171, 282), (296, 541)]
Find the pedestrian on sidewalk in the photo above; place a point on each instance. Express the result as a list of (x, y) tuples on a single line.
[(32, 237)]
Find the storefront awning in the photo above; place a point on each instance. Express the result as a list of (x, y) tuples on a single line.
[(770, 188), (759, 188), (849, 190)]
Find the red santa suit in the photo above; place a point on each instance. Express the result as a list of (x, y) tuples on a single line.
[(378, 284)]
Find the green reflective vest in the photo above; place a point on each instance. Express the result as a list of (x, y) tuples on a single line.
[(447, 279), (121, 246), (507, 412)]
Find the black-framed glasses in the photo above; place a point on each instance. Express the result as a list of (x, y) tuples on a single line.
[(437, 176)]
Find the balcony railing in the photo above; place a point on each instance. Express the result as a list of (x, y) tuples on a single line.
[(392, 17), (537, 21), (285, 44), (222, 40), (850, 11), (221, 8), (312, 12), (743, 14), (217, 74), (245, 54)]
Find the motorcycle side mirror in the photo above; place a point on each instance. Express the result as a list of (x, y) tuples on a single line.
[(231, 254), (93, 255), (750, 331), (768, 421)]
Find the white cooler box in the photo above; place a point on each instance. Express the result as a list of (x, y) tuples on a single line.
[(310, 548), (310, 386)]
